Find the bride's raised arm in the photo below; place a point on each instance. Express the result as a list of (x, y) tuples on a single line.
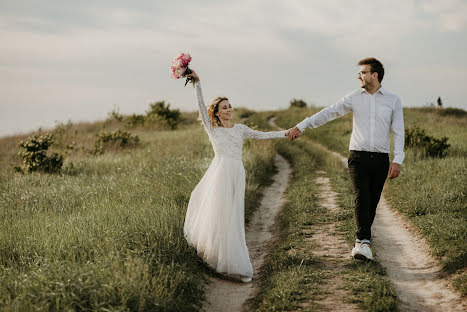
[(249, 133), (203, 111)]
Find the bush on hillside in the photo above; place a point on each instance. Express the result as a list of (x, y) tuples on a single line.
[(115, 115), (134, 120), (298, 103), (163, 111), (63, 135), (159, 116), (116, 139), (34, 155), (416, 137), (157, 122), (244, 112)]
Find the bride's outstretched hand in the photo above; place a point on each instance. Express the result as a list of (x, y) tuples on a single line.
[(193, 75), (293, 133)]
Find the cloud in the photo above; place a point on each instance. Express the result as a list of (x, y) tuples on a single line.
[(258, 52), (451, 15), (353, 26)]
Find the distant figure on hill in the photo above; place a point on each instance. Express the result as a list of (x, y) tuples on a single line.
[(440, 103), (215, 223), (376, 112)]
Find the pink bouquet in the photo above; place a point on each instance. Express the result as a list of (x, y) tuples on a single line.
[(180, 68)]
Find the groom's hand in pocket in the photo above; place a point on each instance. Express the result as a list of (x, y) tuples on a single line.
[(394, 170)]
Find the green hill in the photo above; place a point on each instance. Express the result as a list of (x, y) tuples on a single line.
[(107, 232)]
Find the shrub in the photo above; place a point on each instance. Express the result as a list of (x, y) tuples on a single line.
[(157, 122), (171, 116), (437, 147), (61, 132), (118, 138), (35, 157), (432, 147), (245, 112), (159, 116), (115, 115), (297, 103), (134, 121)]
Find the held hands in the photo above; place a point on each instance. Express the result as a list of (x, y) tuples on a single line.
[(394, 170), (293, 133), (193, 75)]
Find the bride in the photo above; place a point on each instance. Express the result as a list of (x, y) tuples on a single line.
[(214, 222)]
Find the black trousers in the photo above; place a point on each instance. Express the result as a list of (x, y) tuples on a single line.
[(368, 172)]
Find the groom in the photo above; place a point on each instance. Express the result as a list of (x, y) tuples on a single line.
[(376, 112)]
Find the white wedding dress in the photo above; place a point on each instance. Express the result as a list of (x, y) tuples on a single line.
[(214, 222)]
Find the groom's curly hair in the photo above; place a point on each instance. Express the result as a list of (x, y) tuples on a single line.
[(376, 66)]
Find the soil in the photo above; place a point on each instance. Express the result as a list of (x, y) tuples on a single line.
[(331, 245)]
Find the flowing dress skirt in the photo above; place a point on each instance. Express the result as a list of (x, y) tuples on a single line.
[(215, 223)]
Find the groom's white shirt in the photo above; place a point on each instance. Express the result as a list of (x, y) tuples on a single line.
[(374, 116)]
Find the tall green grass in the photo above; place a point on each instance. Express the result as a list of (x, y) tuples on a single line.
[(107, 234), (432, 192)]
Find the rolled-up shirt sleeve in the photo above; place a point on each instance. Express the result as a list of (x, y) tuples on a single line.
[(339, 109), (397, 127)]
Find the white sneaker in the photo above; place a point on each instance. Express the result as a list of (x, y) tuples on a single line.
[(362, 251), (245, 279)]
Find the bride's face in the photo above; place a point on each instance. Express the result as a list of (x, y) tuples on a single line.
[(224, 110)]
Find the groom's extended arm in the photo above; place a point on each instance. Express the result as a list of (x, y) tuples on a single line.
[(342, 107)]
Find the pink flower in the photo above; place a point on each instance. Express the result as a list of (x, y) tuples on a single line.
[(184, 58), (179, 67)]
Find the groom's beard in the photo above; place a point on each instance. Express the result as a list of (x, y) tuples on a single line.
[(367, 85)]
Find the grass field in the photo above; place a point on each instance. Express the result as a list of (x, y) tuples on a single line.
[(107, 234)]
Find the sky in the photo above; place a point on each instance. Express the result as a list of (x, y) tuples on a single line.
[(79, 60)]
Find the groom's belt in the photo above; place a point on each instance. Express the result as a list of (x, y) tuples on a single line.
[(370, 154)]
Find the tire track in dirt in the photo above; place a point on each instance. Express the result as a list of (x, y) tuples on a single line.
[(331, 246)]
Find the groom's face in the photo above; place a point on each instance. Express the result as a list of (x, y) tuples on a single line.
[(366, 77)]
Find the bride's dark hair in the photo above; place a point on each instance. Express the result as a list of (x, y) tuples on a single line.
[(213, 108)]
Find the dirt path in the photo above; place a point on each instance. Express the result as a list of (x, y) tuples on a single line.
[(331, 245), (407, 259), (409, 264), (403, 252), (224, 295)]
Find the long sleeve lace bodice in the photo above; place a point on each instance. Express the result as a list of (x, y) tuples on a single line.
[(229, 141), (203, 111)]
